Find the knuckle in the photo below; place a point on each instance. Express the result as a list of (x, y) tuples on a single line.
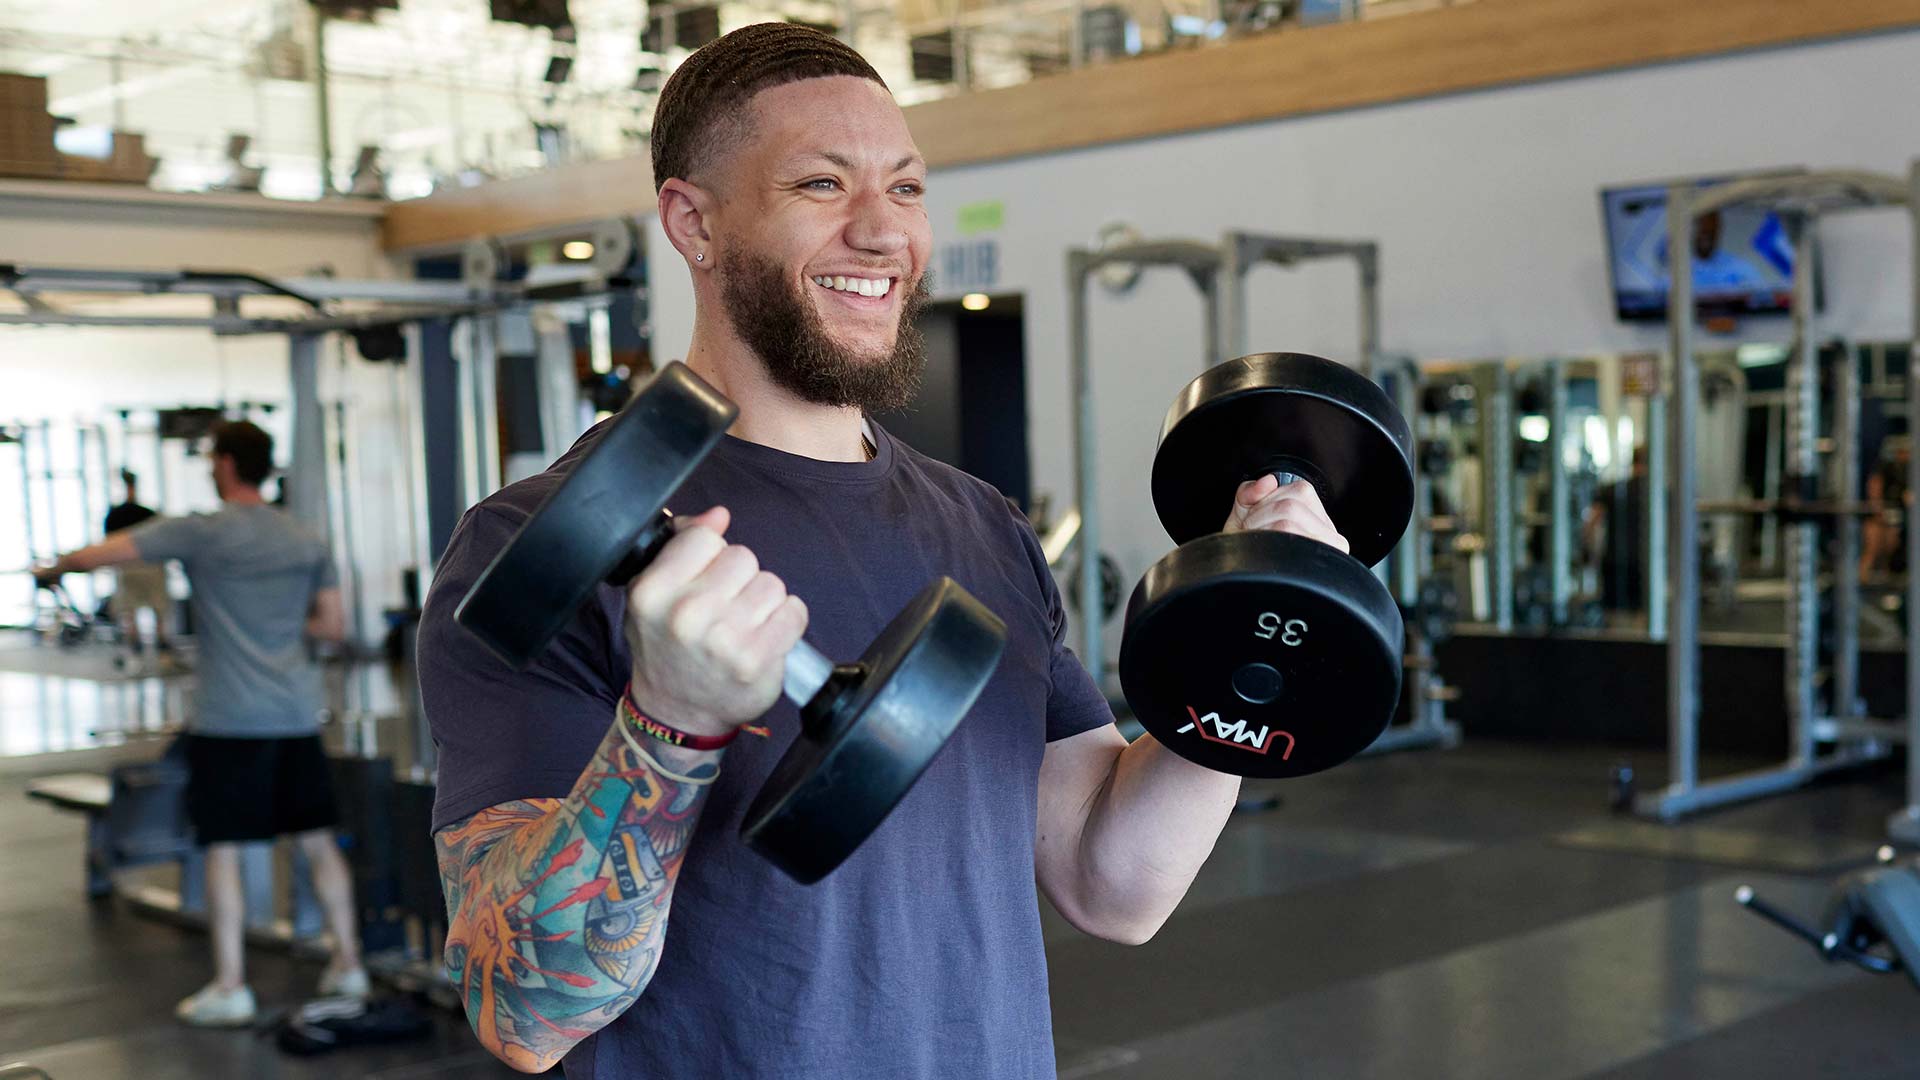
[(683, 619), (739, 558)]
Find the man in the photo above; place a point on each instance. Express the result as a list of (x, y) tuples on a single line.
[(137, 586), (263, 587), (791, 187)]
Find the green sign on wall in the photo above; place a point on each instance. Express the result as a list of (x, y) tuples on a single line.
[(980, 217)]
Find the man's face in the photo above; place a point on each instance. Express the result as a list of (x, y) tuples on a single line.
[(822, 242)]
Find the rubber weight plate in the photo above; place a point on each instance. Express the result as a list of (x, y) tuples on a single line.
[(588, 524), (1262, 654), (873, 730), (1295, 413)]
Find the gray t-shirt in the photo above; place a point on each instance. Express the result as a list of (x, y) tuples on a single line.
[(920, 958), (254, 571)]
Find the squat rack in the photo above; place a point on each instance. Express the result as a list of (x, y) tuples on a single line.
[(1674, 573), (1219, 271)]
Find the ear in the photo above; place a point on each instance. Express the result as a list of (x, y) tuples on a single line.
[(684, 213)]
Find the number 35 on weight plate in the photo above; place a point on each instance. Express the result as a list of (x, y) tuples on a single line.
[(1290, 631)]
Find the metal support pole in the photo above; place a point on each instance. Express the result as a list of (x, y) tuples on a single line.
[(559, 391), (322, 107), (1497, 479), (1803, 463), (344, 463), (1770, 487), (438, 434), (1085, 469), (1683, 567), (51, 504), (1406, 557), (159, 468), (1368, 259), (306, 476), (1217, 291), (1559, 494), (106, 470), (1227, 303), (1653, 552), (26, 496), (482, 363), (90, 522), (1846, 567)]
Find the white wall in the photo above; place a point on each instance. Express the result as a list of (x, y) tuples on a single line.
[(1485, 204)]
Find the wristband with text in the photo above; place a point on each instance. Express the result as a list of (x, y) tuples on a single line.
[(672, 736)]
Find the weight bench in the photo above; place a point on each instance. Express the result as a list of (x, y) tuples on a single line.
[(136, 816)]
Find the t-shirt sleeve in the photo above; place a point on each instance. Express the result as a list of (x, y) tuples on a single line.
[(164, 538), (505, 734), (1074, 700)]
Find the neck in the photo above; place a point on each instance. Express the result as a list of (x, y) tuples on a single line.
[(240, 495), (770, 414)]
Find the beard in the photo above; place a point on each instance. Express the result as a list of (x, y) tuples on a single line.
[(774, 318)]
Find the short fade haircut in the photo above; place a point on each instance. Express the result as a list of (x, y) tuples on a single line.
[(702, 110), (250, 448)]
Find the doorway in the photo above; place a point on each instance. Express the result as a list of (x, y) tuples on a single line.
[(971, 412)]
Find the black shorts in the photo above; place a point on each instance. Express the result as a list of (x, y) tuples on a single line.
[(257, 789)]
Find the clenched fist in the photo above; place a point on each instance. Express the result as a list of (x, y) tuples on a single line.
[(709, 630), (1295, 508)]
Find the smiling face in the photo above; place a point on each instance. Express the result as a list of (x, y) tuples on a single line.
[(821, 241)]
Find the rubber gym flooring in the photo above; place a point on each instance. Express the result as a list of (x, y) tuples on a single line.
[(1439, 914)]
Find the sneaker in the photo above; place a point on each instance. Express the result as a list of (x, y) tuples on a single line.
[(350, 983), (212, 1007)]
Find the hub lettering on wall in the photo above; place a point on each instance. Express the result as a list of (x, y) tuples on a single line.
[(972, 266)]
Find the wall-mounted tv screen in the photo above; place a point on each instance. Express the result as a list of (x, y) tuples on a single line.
[(1742, 256)]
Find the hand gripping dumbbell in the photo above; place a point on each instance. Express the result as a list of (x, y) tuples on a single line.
[(1263, 653), (867, 729)]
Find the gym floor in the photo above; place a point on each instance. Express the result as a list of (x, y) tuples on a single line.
[(1467, 913)]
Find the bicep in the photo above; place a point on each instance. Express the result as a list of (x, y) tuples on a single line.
[(1072, 773)]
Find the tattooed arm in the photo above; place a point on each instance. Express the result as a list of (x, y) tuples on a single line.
[(556, 907)]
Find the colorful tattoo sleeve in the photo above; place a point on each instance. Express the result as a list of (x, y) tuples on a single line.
[(556, 907)]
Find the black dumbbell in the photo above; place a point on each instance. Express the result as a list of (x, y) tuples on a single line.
[(868, 729), (1263, 653)]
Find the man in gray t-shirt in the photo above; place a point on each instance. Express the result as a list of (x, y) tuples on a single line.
[(263, 587)]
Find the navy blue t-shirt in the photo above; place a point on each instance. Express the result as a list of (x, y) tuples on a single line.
[(921, 955)]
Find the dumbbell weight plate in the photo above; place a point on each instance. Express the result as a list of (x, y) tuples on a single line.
[(587, 525), (869, 735), (1262, 654), (1291, 412)]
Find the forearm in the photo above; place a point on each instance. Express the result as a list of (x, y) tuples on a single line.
[(323, 628), (115, 549), (557, 908), (1149, 828)]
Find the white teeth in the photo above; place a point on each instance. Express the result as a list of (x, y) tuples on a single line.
[(875, 287)]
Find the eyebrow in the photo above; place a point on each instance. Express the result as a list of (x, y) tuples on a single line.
[(846, 163)]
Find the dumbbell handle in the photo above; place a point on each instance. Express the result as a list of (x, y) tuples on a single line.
[(808, 669)]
